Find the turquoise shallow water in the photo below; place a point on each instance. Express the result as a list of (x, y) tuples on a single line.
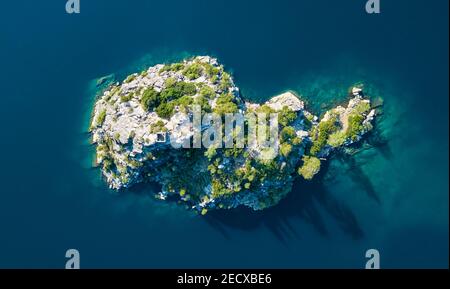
[(392, 196)]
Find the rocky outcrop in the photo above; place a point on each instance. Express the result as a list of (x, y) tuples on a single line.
[(288, 99), (136, 123)]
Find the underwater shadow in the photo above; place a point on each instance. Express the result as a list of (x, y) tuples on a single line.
[(358, 176), (380, 143), (306, 201), (144, 188)]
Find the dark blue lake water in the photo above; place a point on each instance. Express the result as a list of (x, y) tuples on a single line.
[(392, 197)]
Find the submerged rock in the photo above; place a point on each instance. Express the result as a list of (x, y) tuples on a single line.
[(104, 79)]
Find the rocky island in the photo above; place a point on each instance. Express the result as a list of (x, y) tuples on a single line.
[(135, 124)]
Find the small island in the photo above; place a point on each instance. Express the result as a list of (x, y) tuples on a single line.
[(134, 123)]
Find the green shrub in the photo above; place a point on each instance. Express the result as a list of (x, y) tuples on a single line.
[(286, 116), (225, 104), (101, 118), (265, 109), (193, 71), (285, 149), (172, 67), (203, 102), (177, 90), (115, 90), (210, 69), (175, 93), (325, 128), (296, 141), (207, 92), (165, 109), (130, 78), (158, 127), (128, 97), (184, 102), (225, 82), (165, 68), (188, 88), (287, 134), (170, 82), (355, 126), (214, 79), (337, 138), (310, 167), (362, 107), (150, 98)]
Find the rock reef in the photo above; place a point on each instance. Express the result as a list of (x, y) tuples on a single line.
[(136, 122)]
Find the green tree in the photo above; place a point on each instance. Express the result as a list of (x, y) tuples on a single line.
[(127, 97), (150, 98), (285, 149), (207, 92), (355, 125), (193, 71), (165, 110), (225, 104), (225, 82), (210, 69), (177, 90), (287, 134), (310, 167), (286, 116), (321, 134)]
